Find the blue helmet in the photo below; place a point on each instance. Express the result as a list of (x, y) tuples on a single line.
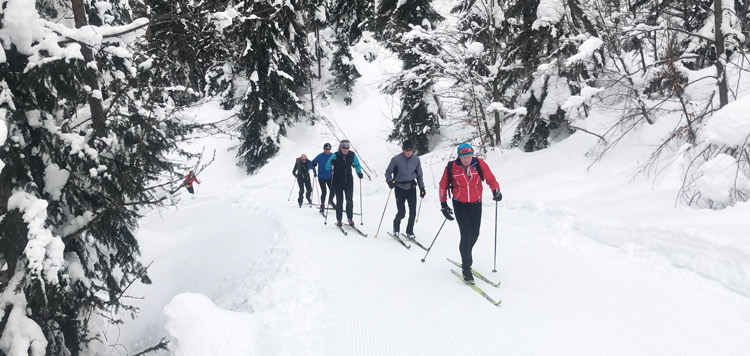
[(465, 149)]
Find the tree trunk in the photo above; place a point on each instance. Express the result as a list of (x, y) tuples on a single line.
[(91, 76), (721, 76)]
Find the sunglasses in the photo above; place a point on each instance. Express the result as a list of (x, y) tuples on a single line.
[(466, 150)]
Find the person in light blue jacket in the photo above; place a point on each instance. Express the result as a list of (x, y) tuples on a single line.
[(324, 175)]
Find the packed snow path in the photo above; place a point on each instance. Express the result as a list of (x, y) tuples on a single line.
[(301, 287)]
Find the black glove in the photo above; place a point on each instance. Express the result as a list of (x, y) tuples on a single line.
[(315, 173), (295, 175), (359, 174), (496, 195), (391, 184), (422, 193), (447, 212)]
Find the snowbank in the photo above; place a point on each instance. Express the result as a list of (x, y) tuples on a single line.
[(198, 327)]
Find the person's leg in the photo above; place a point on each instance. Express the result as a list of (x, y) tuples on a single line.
[(189, 189), (323, 191), (463, 218), (400, 200), (308, 195), (339, 190), (349, 199), (474, 222), (301, 185), (411, 197)]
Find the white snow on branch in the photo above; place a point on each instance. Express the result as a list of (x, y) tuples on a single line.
[(21, 336), (500, 107), (475, 49), (44, 250), (585, 50), (54, 180), (577, 100), (548, 13)]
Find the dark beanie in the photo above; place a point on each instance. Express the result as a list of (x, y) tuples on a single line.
[(407, 145)]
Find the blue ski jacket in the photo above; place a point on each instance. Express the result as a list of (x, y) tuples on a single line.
[(321, 160)]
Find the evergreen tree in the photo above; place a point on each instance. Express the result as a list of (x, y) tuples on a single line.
[(349, 19), (344, 71), (404, 28), (273, 55), (74, 182), (182, 42)]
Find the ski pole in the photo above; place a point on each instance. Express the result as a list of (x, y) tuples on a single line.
[(362, 213), (418, 210), (381, 217), (494, 266), (291, 191), (433, 240)]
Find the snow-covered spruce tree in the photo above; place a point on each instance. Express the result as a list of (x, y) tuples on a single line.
[(84, 151), (345, 74), (182, 43), (273, 55), (349, 18), (543, 64), (479, 43), (404, 27), (316, 20)]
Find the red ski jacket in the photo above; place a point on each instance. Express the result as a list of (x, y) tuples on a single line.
[(188, 182), (467, 186)]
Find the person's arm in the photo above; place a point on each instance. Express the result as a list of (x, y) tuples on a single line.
[(294, 170), (389, 171), (443, 186), (356, 165), (329, 164), (420, 179)]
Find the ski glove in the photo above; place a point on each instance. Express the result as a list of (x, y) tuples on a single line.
[(315, 174), (447, 212), (391, 184), (496, 195), (295, 175), (422, 193), (359, 174)]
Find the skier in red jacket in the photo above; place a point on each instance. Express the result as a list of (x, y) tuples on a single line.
[(188, 182), (464, 179)]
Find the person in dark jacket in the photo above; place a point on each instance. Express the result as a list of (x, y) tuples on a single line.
[(323, 174), (466, 187), (404, 174), (189, 180), (301, 171), (342, 182)]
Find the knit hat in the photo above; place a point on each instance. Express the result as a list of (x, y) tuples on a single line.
[(465, 149), (327, 146), (344, 144), (407, 145)]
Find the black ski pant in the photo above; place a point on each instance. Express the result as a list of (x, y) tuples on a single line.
[(190, 189), (340, 189), (469, 219), (304, 183), (403, 196), (325, 184)]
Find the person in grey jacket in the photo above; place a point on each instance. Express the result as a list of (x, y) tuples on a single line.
[(404, 173)]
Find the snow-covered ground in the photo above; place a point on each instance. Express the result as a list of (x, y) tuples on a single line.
[(591, 261)]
